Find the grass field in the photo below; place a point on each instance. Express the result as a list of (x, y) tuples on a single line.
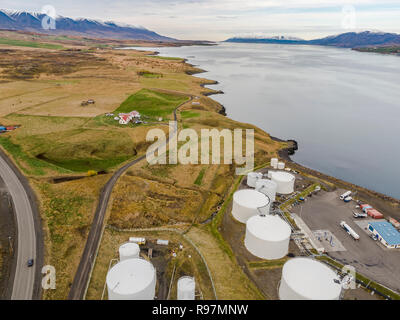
[(31, 44), (152, 103), (42, 90)]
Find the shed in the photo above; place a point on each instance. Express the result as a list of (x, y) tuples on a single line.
[(386, 233), (375, 214)]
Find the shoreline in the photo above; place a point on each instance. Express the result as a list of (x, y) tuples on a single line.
[(285, 153)]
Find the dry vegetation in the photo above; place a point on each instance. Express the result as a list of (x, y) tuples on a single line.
[(42, 90)]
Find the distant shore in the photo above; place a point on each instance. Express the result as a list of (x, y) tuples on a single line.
[(389, 205)]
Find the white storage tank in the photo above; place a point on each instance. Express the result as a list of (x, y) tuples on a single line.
[(267, 237), (132, 279), (252, 178), (285, 182), (246, 203), (269, 174), (274, 163), (308, 279), (186, 288), (267, 187), (129, 250), (281, 165)]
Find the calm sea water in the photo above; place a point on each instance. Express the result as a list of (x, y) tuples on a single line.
[(342, 106)]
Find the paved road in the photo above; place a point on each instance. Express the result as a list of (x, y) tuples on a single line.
[(82, 276), (24, 277)]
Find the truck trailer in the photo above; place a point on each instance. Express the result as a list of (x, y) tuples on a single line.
[(349, 230)]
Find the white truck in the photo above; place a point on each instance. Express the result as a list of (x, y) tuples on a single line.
[(359, 215), (349, 230), (345, 195)]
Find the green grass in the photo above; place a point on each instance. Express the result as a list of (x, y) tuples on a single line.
[(152, 103), (36, 166), (199, 178), (268, 264), (32, 44), (84, 165), (148, 74), (189, 114), (166, 58), (81, 150)]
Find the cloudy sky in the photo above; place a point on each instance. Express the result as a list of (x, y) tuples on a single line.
[(220, 19)]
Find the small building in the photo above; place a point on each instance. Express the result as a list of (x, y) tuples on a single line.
[(375, 214), (125, 118), (385, 233), (365, 207)]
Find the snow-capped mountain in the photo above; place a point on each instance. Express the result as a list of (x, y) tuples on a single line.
[(26, 21), (344, 40)]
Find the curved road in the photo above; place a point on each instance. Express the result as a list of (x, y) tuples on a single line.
[(28, 230), (82, 276)]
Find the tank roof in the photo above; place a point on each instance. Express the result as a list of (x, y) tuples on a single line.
[(269, 228), (311, 279)]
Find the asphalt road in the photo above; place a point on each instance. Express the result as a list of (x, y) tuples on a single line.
[(82, 276), (27, 242)]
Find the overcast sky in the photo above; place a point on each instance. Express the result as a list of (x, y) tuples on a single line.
[(221, 19)]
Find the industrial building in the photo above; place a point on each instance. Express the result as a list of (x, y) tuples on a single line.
[(308, 279), (267, 237), (385, 233), (248, 203)]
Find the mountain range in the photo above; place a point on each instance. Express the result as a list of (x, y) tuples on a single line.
[(32, 22), (344, 40)]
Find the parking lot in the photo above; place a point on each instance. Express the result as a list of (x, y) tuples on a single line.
[(325, 211)]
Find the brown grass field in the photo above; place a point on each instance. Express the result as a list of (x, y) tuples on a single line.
[(42, 89)]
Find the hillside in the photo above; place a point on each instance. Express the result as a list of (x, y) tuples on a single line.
[(344, 40), (32, 22)]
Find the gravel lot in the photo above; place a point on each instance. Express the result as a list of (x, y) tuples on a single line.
[(325, 211)]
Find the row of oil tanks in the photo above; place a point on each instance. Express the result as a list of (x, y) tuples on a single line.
[(267, 237), (134, 278)]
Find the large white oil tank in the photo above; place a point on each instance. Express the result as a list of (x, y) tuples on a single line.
[(246, 203), (267, 187), (281, 165), (308, 279), (274, 163), (186, 288), (285, 182), (129, 250), (267, 237), (252, 178), (132, 279)]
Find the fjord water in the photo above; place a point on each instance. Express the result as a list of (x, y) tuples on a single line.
[(342, 106)]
